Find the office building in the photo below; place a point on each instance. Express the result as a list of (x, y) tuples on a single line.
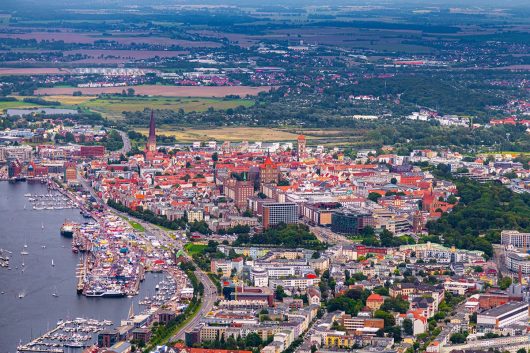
[(516, 239), (277, 213), (350, 222)]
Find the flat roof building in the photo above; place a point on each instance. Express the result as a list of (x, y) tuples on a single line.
[(502, 316)]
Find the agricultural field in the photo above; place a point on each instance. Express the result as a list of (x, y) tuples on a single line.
[(121, 56), (68, 36), (69, 101), (32, 71), (113, 107), (234, 134), (159, 90), (16, 104)]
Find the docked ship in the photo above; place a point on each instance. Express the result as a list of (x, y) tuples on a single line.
[(67, 229), (105, 293)]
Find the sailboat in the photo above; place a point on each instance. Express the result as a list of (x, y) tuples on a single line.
[(42, 225), (24, 251), (53, 265), (131, 310), (55, 292), (21, 295)]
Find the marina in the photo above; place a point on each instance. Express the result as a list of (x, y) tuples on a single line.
[(77, 333), (165, 291), (35, 280), (49, 201)]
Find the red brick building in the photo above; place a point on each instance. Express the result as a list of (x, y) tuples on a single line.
[(92, 151)]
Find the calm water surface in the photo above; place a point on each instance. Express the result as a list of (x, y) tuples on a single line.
[(21, 319)]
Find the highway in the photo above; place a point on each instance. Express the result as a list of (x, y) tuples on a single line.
[(210, 290)]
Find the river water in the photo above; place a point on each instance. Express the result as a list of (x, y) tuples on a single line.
[(38, 311)]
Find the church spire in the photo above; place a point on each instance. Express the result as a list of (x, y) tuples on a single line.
[(151, 140)]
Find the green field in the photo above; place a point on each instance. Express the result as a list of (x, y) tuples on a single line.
[(193, 249), (114, 107), (16, 104), (119, 105)]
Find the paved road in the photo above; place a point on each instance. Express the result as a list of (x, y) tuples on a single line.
[(210, 290), (126, 142), (208, 301), (326, 235)]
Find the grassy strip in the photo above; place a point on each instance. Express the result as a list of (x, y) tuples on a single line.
[(137, 226)]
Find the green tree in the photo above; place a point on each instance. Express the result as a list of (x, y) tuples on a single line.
[(505, 282), (397, 304), (408, 327), (343, 303), (458, 337), (279, 293), (386, 316), (253, 340), (374, 196)]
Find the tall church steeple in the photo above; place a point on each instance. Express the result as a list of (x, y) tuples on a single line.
[(151, 140)]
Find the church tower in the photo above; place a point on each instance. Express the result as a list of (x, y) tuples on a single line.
[(151, 140), (301, 148)]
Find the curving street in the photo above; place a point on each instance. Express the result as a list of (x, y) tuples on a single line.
[(126, 142)]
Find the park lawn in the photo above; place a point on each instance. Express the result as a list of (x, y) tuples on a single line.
[(193, 249), (137, 226)]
